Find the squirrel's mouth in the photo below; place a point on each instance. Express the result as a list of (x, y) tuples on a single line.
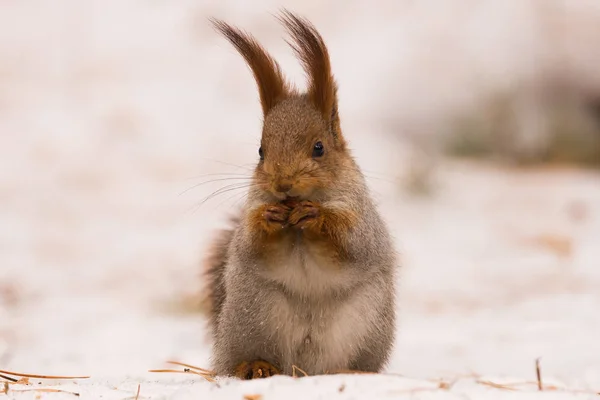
[(291, 201)]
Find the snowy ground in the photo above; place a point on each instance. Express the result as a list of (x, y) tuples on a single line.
[(109, 110)]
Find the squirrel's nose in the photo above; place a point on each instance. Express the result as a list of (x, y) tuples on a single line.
[(283, 186)]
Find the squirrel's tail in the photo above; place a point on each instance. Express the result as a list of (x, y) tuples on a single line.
[(213, 269)]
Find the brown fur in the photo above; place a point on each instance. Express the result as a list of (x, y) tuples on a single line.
[(311, 50), (213, 291), (271, 84), (307, 275)]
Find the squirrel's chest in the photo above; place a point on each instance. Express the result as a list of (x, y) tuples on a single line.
[(305, 269), (314, 331)]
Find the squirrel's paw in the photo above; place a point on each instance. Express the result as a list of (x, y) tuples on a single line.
[(305, 214), (255, 370), (273, 217)]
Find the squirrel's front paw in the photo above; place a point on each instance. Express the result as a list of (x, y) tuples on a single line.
[(305, 214), (255, 369), (272, 217)]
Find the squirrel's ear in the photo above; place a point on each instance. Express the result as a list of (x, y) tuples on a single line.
[(272, 86), (312, 52)]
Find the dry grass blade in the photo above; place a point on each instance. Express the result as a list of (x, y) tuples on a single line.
[(414, 390), (205, 371), (538, 373), (46, 390), (353, 371), (253, 397), (185, 371), (41, 376), (137, 394), (567, 390), (495, 385), (296, 368), (512, 386), (172, 370)]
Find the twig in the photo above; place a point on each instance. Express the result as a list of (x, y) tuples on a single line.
[(137, 395), (42, 376), (539, 374), (8, 378)]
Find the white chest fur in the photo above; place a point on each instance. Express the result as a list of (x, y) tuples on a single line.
[(313, 330), (320, 336)]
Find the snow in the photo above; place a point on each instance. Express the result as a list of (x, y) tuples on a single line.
[(109, 110), (323, 387)]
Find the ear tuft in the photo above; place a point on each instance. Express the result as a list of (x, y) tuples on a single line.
[(272, 86), (312, 52)]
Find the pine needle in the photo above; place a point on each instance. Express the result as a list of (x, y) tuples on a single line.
[(185, 371), (45, 390), (206, 371), (41, 376)]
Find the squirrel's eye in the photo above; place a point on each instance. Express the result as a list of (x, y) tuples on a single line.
[(261, 153), (318, 150)]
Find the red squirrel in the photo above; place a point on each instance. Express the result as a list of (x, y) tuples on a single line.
[(306, 275)]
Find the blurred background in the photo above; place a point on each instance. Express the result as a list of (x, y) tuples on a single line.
[(477, 124)]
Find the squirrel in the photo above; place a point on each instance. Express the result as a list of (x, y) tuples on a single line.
[(305, 277)]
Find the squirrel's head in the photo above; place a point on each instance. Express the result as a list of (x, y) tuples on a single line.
[(302, 149)]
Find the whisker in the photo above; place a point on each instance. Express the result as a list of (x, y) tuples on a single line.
[(395, 182), (230, 164), (374, 172), (216, 174), (225, 189), (369, 176), (244, 196), (211, 181), (240, 196)]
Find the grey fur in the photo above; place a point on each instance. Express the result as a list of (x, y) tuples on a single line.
[(347, 314)]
